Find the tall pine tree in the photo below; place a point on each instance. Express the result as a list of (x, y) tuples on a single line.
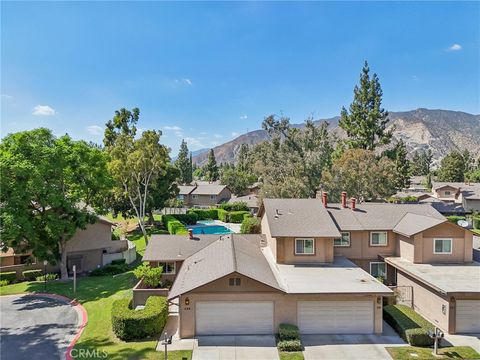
[(366, 122), (184, 164), (211, 168)]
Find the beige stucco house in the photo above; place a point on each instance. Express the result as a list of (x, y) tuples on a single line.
[(465, 194), (203, 194)]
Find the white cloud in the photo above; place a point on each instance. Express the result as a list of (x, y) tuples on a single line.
[(43, 110), (455, 47), (95, 129), (173, 128), (243, 117), (217, 136), (235, 134), (7, 97), (184, 81), (194, 143)]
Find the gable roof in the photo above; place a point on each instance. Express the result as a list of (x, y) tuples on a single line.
[(412, 224), (208, 189), (175, 247), (298, 217), (185, 189), (230, 253), (468, 190)]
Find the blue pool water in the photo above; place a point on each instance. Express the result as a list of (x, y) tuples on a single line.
[(211, 229)]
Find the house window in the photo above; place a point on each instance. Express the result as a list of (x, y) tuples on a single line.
[(343, 241), (447, 193), (442, 246), (378, 269), (304, 247), (180, 196), (378, 238), (213, 197), (168, 267), (194, 196), (234, 281)]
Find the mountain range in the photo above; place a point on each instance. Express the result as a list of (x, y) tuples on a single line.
[(439, 130)]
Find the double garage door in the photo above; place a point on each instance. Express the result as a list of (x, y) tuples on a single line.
[(468, 316), (314, 317)]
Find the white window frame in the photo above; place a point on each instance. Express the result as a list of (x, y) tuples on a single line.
[(174, 266), (376, 263), (194, 196), (442, 252), (378, 232), (304, 239), (341, 239)]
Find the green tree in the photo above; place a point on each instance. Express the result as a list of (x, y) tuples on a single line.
[(362, 175), (243, 163), (452, 167), (402, 165), (50, 187), (135, 165), (211, 168), (421, 162), (366, 122), (184, 164), (237, 180)]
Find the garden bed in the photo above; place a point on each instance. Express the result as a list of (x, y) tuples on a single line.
[(141, 293)]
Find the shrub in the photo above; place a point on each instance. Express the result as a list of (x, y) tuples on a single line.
[(223, 215), (10, 276), (118, 261), (250, 225), (408, 324), (455, 218), (31, 275), (234, 206), (237, 216), (189, 219), (288, 332), (110, 269), (47, 277), (174, 226), (151, 275), (476, 222), (205, 214), (130, 324), (289, 345), (4, 283)]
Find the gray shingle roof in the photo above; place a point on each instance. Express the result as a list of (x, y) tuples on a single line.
[(185, 189), (229, 254), (377, 216), (299, 217), (250, 200), (175, 247), (209, 189), (469, 191), (412, 224)]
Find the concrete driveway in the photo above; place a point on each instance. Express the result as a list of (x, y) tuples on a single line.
[(35, 327), (351, 347), (245, 347)]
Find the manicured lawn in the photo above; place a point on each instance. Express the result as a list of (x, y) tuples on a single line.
[(418, 353), (294, 355), (96, 294), (139, 239)]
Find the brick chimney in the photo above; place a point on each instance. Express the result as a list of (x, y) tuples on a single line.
[(190, 234), (325, 199), (344, 199), (354, 203)]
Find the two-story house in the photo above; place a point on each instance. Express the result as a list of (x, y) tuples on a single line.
[(315, 265), (204, 194), (465, 194)]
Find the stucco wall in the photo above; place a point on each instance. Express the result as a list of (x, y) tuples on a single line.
[(205, 200), (286, 251), (95, 236), (471, 204), (440, 193), (272, 242), (406, 248), (360, 247), (90, 260)]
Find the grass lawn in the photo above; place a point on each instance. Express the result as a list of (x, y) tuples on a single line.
[(454, 352), (97, 294), (294, 355), (139, 240)]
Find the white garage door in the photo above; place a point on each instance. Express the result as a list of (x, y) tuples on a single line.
[(233, 318), (335, 317), (468, 316)]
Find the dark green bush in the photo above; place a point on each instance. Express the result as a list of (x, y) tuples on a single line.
[(289, 345), (250, 225), (189, 219), (223, 215), (174, 226), (234, 206), (110, 269), (4, 283), (48, 277), (151, 275), (205, 214), (130, 324), (237, 216), (404, 320), (118, 261), (288, 332), (31, 275), (10, 276)]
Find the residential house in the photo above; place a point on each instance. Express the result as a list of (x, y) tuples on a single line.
[(417, 183), (465, 194), (88, 249), (252, 202), (203, 194)]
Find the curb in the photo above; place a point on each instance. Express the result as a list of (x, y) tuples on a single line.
[(82, 313)]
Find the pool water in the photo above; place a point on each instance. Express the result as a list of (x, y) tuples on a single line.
[(211, 230)]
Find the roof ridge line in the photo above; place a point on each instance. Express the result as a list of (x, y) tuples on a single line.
[(233, 254)]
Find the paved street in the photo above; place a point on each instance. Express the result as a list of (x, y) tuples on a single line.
[(34, 327)]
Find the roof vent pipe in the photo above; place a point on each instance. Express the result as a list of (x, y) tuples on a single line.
[(325, 199), (354, 203), (344, 199)]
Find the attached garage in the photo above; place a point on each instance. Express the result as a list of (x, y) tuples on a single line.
[(336, 317), (468, 316), (233, 318)]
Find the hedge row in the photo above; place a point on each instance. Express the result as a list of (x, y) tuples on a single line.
[(174, 226), (189, 219), (288, 338), (250, 225), (130, 324), (31, 275), (412, 327), (219, 214), (10, 276), (235, 206), (205, 214)]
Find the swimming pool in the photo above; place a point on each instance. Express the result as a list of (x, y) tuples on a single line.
[(211, 230)]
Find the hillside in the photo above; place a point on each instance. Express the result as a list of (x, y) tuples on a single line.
[(439, 130)]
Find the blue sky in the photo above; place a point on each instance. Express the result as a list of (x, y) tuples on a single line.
[(209, 71)]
